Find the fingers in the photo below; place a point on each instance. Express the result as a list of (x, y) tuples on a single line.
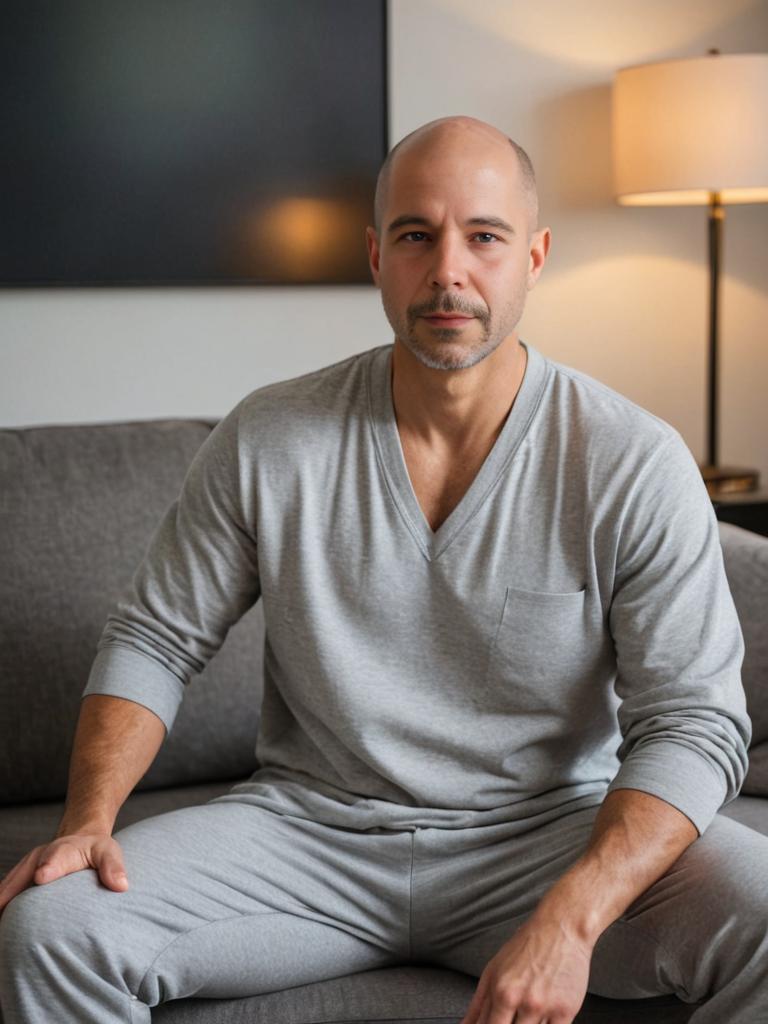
[(58, 859), (80, 852), (18, 878), (472, 1016), (63, 857), (503, 1010), (108, 861), (499, 1008), (50, 869), (526, 1011)]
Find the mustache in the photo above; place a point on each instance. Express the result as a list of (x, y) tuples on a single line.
[(448, 304)]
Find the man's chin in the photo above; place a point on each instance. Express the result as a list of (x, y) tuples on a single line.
[(447, 353)]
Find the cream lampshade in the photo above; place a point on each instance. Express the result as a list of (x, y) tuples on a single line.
[(695, 132)]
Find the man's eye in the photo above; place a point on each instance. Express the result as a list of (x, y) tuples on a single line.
[(419, 236)]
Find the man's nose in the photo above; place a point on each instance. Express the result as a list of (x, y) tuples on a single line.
[(448, 268)]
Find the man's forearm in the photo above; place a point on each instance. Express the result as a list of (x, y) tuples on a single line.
[(115, 743), (636, 838)]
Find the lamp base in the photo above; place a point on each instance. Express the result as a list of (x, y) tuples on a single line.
[(729, 479)]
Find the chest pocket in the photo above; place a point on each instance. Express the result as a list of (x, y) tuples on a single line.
[(541, 653)]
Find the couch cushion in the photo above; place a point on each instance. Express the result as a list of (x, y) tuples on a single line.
[(78, 505), (751, 811), (403, 994), (746, 564)]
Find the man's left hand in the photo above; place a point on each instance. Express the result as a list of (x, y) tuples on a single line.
[(538, 977)]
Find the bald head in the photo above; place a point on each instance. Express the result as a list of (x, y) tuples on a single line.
[(465, 132)]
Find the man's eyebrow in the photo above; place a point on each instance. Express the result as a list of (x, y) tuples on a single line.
[(492, 222), (412, 218)]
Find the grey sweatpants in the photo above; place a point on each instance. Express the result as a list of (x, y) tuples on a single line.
[(229, 899)]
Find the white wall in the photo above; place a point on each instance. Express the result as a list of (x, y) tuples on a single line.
[(623, 296)]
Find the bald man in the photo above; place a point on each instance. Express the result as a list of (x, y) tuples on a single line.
[(502, 703)]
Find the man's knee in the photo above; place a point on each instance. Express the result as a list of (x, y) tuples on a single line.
[(728, 866), (722, 906), (46, 918), (27, 925), (696, 929)]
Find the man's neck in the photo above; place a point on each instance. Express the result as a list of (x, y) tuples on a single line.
[(456, 409)]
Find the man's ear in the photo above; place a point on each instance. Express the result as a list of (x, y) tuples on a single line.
[(372, 241), (537, 256)]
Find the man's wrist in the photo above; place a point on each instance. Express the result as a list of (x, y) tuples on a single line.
[(570, 905), (77, 824)]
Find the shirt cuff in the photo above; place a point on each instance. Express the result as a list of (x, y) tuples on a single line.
[(123, 672), (678, 775)]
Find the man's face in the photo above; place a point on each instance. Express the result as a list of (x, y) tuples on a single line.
[(455, 259)]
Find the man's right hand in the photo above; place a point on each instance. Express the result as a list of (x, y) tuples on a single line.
[(64, 856)]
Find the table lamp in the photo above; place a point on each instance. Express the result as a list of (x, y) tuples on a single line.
[(695, 132)]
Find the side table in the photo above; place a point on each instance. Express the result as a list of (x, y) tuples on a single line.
[(748, 509)]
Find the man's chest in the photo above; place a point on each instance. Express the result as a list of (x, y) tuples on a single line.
[(440, 478), (505, 615)]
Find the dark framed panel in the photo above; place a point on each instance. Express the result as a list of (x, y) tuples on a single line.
[(197, 142)]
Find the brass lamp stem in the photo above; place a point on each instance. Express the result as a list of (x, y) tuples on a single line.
[(715, 232), (718, 479)]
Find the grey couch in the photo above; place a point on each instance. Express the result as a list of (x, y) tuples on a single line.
[(77, 506)]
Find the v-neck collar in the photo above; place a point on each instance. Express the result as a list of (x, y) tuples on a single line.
[(390, 452)]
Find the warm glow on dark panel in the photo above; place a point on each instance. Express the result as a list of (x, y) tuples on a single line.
[(189, 142), (300, 238)]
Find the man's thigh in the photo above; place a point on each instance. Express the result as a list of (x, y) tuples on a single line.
[(226, 899), (472, 888), (699, 929)]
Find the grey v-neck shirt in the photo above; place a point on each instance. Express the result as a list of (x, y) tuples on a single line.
[(568, 630)]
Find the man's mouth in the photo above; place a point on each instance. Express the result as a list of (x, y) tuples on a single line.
[(448, 319)]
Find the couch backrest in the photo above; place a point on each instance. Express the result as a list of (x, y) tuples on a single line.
[(746, 564), (78, 505)]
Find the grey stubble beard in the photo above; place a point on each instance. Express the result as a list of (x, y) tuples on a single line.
[(443, 357)]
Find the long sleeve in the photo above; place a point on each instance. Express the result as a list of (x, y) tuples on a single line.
[(684, 725), (197, 578)]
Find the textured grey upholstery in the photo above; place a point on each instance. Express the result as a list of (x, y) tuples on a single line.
[(746, 563), (77, 507), (404, 994)]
